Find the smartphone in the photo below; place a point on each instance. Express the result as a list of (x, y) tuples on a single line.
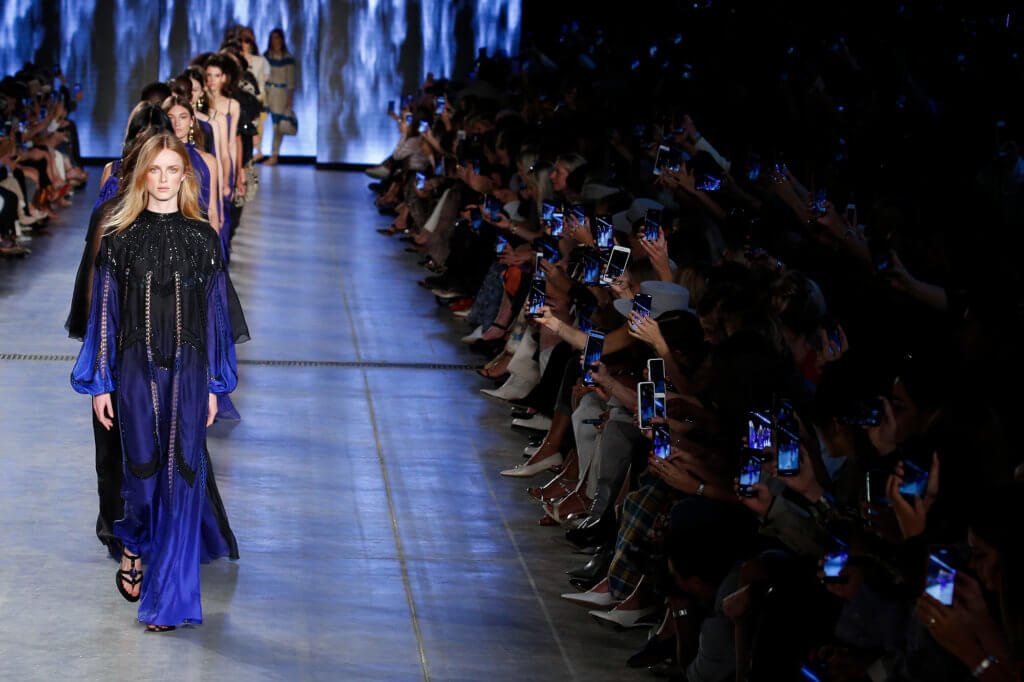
[(661, 441), (476, 166), (642, 305), (834, 563), (882, 262), (941, 577), (603, 230), (862, 413), (557, 224), (421, 181), (591, 271), (577, 217), (439, 168), (538, 256), (493, 207), (750, 474), (759, 430), (616, 265), (851, 215), (537, 297), (645, 404), (661, 159), (475, 218), (547, 210), (549, 251), (819, 205), (709, 183), (408, 119), (915, 480), (652, 224), (784, 416), (874, 489), (788, 447), (591, 355), (501, 244), (755, 167), (656, 374), (424, 125), (391, 106), (440, 108)]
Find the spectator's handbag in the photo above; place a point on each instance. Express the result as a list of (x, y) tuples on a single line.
[(288, 124)]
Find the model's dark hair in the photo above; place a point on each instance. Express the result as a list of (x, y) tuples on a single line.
[(155, 93), (284, 43), (143, 117)]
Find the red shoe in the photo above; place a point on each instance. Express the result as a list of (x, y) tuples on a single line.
[(461, 304)]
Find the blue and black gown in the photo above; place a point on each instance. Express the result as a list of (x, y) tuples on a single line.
[(161, 335)]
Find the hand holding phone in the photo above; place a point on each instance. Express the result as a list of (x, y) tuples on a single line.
[(750, 473), (592, 355)]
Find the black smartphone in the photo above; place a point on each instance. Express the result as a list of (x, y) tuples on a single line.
[(759, 430), (851, 215), (862, 413), (501, 244), (549, 250), (408, 119), (788, 447), (603, 229), (709, 183), (642, 304), (882, 262), (652, 225), (784, 416), (493, 206), (476, 166), (592, 355), (577, 217), (661, 441), (940, 579), (835, 562), (645, 403), (440, 108), (750, 473), (557, 224), (915, 480), (475, 218), (656, 373), (421, 181), (754, 170), (536, 300), (819, 205), (591, 271), (547, 210)]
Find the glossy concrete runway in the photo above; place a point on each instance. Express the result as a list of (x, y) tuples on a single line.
[(377, 540)]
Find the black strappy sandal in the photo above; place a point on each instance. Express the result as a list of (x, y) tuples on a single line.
[(132, 577)]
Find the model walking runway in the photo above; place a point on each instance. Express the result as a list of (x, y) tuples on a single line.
[(372, 545)]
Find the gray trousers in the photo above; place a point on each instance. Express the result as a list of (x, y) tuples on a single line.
[(604, 456)]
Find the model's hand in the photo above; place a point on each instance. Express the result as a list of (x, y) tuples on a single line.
[(213, 410), (104, 410)]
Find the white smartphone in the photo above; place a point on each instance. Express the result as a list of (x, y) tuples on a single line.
[(616, 265)]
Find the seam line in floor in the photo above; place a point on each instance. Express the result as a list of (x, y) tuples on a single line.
[(357, 364)]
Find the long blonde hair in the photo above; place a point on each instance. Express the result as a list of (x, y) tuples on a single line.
[(133, 197)]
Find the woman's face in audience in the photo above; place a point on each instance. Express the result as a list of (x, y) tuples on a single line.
[(181, 120), (985, 562), (559, 175), (910, 420), (214, 79), (164, 175)]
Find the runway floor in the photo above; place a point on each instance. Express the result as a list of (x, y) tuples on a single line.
[(377, 540)]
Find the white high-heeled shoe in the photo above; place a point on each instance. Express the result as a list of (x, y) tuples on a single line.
[(537, 422), (514, 388), (529, 470), (473, 335)]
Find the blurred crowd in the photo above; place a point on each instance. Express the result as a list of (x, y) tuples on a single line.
[(749, 279)]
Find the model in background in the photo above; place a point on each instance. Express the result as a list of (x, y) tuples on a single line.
[(280, 90), (259, 67)]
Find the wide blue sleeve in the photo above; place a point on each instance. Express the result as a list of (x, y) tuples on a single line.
[(220, 337), (94, 371)]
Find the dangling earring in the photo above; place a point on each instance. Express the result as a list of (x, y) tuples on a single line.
[(191, 131)]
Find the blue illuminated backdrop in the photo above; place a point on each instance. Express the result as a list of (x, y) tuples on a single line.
[(353, 56)]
